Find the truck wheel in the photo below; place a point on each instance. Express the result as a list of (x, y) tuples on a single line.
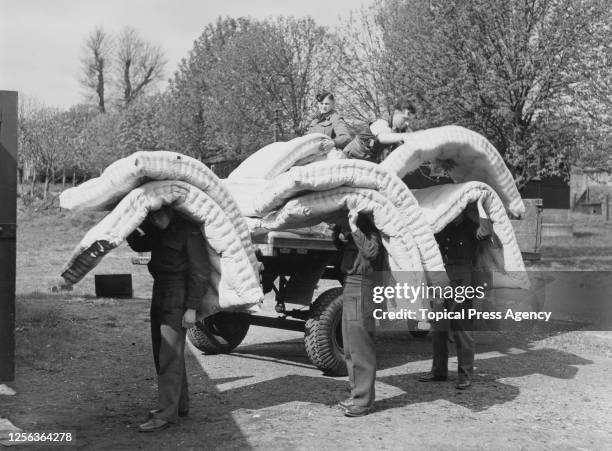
[(323, 333), (219, 333)]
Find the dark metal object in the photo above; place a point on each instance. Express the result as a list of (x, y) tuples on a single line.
[(8, 216), (276, 323), (114, 286)]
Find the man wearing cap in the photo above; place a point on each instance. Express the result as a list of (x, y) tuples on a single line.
[(180, 269), (329, 122)]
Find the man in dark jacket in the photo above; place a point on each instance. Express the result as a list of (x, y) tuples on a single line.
[(362, 255), (458, 242), (180, 269)]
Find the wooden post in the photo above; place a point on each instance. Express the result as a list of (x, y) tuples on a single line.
[(8, 228)]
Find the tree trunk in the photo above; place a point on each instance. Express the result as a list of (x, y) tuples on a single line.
[(46, 185), (63, 179), (73, 178), (32, 185)]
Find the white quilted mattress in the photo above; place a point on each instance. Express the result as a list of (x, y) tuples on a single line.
[(325, 175), (276, 158), (441, 204), (235, 281), (468, 155)]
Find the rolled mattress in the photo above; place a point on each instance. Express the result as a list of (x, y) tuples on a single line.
[(122, 176), (327, 175), (235, 281)]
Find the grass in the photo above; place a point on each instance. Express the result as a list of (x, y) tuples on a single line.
[(45, 337), (47, 334)]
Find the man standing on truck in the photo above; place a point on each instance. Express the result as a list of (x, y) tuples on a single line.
[(180, 269), (362, 258)]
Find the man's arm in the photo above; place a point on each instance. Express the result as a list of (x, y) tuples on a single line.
[(368, 244), (143, 238), (391, 138), (343, 136), (198, 273)]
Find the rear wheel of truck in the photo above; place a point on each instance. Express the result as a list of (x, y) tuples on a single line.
[(219, 333), (323, 333)]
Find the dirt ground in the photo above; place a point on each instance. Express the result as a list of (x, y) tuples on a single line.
[(85, 365)]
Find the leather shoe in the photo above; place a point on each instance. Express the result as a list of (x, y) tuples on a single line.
[(352, 410), (462, 385), (430, 377), (154, 425), (346, 403), (181, 413)]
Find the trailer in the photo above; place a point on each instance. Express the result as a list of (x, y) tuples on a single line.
[(294, 262)]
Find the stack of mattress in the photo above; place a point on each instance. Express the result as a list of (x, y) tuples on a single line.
[(302, 183)]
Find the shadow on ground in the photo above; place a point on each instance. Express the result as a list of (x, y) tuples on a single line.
[(488, 389)]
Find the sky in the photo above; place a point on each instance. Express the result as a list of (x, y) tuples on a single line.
[(41, 40)]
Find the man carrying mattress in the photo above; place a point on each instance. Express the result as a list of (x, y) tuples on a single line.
[(458, 244), (381, 136), (362, 257), (180, 268)]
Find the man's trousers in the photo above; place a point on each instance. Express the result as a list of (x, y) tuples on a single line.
[(358, 328), (464, 342), (168, 338)]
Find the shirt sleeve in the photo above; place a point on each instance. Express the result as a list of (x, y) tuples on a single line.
[(143, 240), (198, 276), (343, 136), (379, 126), (368, 244)]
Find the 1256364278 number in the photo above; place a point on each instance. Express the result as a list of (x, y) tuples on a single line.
[(41, 438)]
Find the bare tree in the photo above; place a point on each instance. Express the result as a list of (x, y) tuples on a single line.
[(139, 64), (96, 63)]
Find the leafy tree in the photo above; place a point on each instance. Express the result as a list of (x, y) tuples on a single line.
[(245, 82), (143, 126), (50, 140), (191, 100), (500, 67), (97, 143)]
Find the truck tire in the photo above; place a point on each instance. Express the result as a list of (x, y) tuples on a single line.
[(323, 333), (219, 333)]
